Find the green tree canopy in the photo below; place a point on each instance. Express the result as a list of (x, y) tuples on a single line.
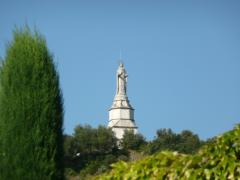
[(132, 141), (188, 142), (89, 140), (166, 139), (31, 110), (91, 150)]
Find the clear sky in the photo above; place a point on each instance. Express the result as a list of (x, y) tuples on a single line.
[(182, 57)]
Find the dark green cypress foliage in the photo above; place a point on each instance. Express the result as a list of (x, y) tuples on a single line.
[(31, 111)]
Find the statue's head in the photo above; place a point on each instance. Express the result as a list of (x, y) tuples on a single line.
[(121, 68)]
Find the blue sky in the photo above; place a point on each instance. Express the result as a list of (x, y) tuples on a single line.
[(182, 57)]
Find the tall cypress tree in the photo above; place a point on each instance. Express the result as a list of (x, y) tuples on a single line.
[(31, 111)]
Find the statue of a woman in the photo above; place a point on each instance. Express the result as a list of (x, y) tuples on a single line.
[(121, 80)]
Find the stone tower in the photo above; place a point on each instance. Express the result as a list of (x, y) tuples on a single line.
[(121, 114)]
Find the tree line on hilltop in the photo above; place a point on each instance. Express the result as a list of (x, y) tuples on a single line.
[(217, 159), (91, 151)]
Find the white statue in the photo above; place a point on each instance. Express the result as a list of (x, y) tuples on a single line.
[(121, 80), (121, 113)]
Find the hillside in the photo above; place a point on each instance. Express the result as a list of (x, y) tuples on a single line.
[(219, 160)]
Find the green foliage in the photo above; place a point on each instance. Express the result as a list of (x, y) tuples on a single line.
[(93, 140), (67, 145), (210, 140), (98, 147), (218, 160), (188, 142), (185, 142), (132, 141), (166, 140), (31, 111), (91, 150), (106, 141)]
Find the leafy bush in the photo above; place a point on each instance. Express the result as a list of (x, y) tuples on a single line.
[(219, 160)]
